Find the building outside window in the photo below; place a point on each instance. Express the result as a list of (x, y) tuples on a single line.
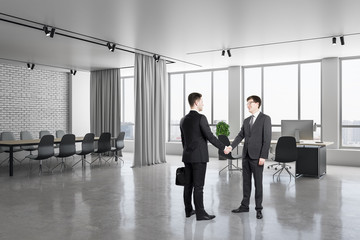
[(350, 101)]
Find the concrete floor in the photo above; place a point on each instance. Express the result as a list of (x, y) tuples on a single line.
[(144, 203)]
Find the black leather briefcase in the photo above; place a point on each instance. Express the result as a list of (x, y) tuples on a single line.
[(180, 176)]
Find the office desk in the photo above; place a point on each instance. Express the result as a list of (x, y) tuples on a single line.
[(311, 160), (16, 143)]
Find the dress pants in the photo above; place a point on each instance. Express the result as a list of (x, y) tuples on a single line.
[(195, 173), (251, 167)]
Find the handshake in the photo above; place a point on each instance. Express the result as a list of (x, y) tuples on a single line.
[(227, 149)]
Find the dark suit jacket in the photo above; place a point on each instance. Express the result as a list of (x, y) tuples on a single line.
[(195, 132), (257, 141)]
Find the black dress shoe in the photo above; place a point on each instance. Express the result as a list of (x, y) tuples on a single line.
[(205, 217), (240, 209), (259, 215), (189, 214)]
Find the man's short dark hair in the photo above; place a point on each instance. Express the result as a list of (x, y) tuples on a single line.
[(193, 97), (255, 98)]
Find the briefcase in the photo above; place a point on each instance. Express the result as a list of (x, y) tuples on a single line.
[(180, 176)]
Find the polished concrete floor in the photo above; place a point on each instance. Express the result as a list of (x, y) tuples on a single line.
[(113, 202)]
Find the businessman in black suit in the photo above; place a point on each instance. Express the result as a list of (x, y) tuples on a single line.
[(195, 133), (256, 130)]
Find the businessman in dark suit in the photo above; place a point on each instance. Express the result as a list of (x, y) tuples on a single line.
[(256, 130), (195, 133)]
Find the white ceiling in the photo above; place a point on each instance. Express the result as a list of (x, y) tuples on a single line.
[(178, 30)]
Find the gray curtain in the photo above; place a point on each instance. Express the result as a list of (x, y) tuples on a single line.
[(105, 102), (150, 105)]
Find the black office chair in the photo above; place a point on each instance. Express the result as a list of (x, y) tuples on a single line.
[(119, 145), (87, 146), (285, 152), (230, 157), (9, 136), (67, 148), (45, 150), (104, 145)]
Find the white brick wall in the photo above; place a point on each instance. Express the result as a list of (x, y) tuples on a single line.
[(33, 100)]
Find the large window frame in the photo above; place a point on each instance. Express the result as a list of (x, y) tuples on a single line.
[(128, 127), (344, 127), (277, 127), (212, 124)]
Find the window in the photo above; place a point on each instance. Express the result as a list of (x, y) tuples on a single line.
[(350, 98), (288, 91), (213, 85), (128, 107)]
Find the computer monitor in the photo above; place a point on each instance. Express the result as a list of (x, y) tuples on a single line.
[(300, 129)]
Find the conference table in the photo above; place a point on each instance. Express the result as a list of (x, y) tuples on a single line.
[(18, 143)]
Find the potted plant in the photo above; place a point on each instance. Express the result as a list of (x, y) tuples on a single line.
[(222, 128)]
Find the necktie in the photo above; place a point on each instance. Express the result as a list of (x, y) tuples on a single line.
[(251, 121)]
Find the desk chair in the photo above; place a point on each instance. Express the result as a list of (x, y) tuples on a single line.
[(45, 150), (286, 151), (66, 149), (230, 157), (26, 135), (87, 146), (104, 145), (43, 133), (59, 133), (8, 136), (119, 145)]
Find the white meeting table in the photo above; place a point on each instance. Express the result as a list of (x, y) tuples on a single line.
[(18, 143)]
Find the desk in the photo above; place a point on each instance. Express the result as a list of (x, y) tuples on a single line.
[(311, 160), (15, 143)]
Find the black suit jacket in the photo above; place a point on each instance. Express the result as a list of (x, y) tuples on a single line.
[(195, 132), (257, 141)]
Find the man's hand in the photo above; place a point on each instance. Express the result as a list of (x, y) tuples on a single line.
[(227, 149), (261, 161)]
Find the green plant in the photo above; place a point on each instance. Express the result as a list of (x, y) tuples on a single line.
[(222, 128)]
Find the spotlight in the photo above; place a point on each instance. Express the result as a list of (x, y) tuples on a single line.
[(156, 57), (229, 53), (49, 33), (334, 41), (73, 72), (111, 47), (223, 53), (342, 41), (30, 66)]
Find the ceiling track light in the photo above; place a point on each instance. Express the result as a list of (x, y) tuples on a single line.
[(30, 66), (223, 52), (156, 57), (229, 53), (49, 33), (334, 41), (342, 40), (111, 47), (73, 72)]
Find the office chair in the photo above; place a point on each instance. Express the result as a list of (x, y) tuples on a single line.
[(66, 149), (59, 133), (104, 145), (119, 145), (9, 136), (286, 151), (230, 157), (26, 135), (43, 133), (45, 150), (87, 146)]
